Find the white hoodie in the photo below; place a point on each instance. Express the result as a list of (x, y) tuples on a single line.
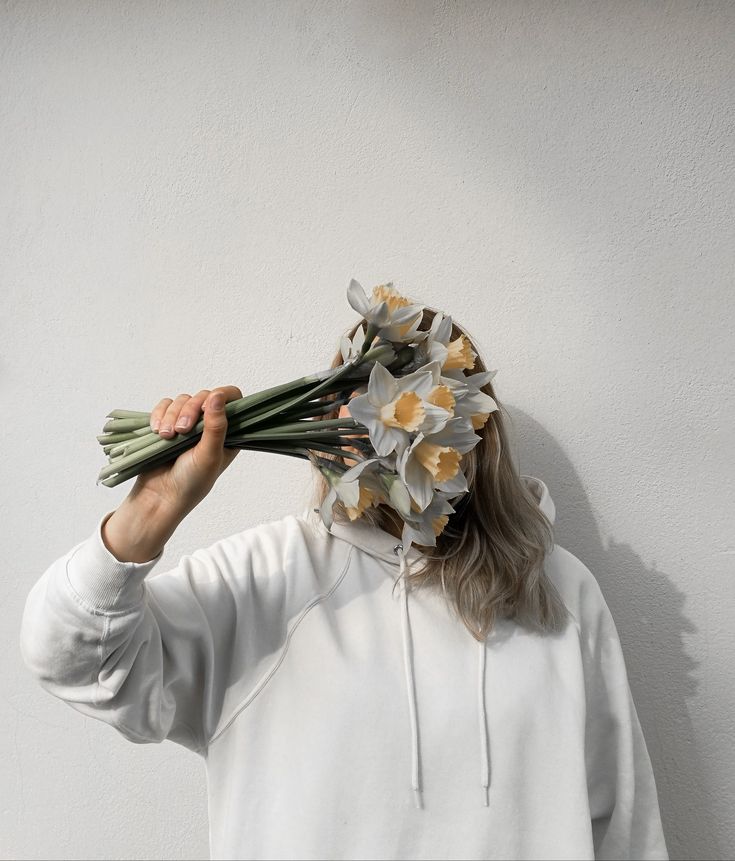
[(335, 724)]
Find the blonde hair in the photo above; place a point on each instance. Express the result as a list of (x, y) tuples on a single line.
[(489, 559)]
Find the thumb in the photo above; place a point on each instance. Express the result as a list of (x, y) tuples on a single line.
[(215, 428)]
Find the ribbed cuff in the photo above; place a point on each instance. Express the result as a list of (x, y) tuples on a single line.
[(101, 580)]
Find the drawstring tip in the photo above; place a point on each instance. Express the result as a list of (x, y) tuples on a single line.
[(485, 799), (417, 798)]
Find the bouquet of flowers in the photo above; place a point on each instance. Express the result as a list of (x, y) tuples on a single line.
[(407, 431)]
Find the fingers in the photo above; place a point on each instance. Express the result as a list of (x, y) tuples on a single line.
[(189, 413), (211, 446), (170, 417), (165, 414), (157, 413), (231, 393)]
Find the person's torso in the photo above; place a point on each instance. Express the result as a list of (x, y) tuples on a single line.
[(313, 755)]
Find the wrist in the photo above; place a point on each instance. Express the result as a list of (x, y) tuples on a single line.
[(138, 530)]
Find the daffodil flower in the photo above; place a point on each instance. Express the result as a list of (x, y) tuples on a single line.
[(398, 495), (423, 527), (352, 352), (474, 404), (348, 492), (378, 482), (394, 408), (469, 381), (366, 474), (370, 495), (351, 348), (430, 461), (433, 348), (387, 481), (389, 315)]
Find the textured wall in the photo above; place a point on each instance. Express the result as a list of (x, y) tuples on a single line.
[(187, 189)]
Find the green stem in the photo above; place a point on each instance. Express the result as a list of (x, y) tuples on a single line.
[(140, 448), (339, 373), (275, 449), (123, 425), (310, 427), (294, 430), (328, 449), (114, 474), (127, 414), (122, 437), (150, 441)]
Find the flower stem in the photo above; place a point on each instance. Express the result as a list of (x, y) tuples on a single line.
[(271, 416)]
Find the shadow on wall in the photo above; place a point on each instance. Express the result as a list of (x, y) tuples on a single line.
[(648, 610)]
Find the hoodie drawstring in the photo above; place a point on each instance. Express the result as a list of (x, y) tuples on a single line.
[(410, 687), (484, 754), (411, 691)]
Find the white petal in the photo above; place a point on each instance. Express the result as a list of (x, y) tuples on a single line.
[(363, 411), (458, 386), (456, 484), (382, 387), (479, 402), (400, 498), (435, 419), (438, 353), (354, 471), (481, 378), (359, 338), (421, 381), (382, 439), (420, 482), (435, 323), (349, 492), (357, 298), (326, 507), (380, 314), (444, 330), (418, 531), (345, 346), (457, 433), (407, 313)]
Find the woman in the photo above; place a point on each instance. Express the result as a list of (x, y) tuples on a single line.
[(482, 710)]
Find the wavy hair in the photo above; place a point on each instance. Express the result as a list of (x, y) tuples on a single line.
[(489, 558)]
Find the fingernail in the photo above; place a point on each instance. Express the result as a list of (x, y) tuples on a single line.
[(183, 423), (155, 425), (166, 429), (217, 401)]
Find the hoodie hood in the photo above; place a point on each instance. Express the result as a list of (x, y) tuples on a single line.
[(382, 545)]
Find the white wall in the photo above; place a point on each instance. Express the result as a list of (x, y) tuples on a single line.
[(187, 189)]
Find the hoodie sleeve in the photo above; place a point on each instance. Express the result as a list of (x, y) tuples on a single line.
[(149, 657), (626, 820)]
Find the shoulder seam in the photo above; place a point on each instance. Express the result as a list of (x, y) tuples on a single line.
[(575, 618), (260, 686)]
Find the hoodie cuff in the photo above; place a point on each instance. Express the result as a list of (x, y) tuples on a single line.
[(101, 580)]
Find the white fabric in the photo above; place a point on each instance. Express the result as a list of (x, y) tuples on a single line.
[(334, 723), (411, 690)]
